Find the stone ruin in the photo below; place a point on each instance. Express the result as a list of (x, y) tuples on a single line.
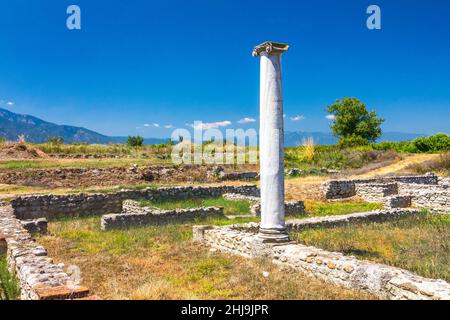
[(292, 208), (384, 281), (428, 191), (270, 238), (40, 278), (136, 216)]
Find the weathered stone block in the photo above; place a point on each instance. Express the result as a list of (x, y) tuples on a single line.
[(150, 216), (36, 226)]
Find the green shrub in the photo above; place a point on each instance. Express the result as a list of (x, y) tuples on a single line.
[(9, 289), (431, 144), (436, 143), (55, 140), (135, 141), (352, 141)]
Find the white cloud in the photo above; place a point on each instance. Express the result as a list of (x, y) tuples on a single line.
[(10, 103), (331, 117), (169, 126), (298, 118), (247, 120), (156, 125), (198, 125)]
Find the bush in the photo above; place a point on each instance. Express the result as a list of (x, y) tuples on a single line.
[(437, 143), (9, 289), (352, 141), (432, 144), (55, 140), (135, 141), (309, 150)]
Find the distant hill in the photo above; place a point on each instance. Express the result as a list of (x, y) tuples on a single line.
[(37, 131), (292, 139)]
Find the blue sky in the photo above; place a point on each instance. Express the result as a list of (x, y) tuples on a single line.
[(173, 62)]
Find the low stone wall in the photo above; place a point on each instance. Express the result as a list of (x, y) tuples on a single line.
[(238, 197), (90, 156), (146, 216), (39, 278), (132, 206), (243, 176), (431, 197), (397, 202), (291, 208), (51, 206), (37, 226), (438, 201), (381, 280), (428, 178), (375, 192), (335, 221), (337, 189), (413, 188)]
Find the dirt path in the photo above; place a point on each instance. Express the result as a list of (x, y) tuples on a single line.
[(309, 187), (398, 166)]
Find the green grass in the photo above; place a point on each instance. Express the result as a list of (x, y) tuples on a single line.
[(420, 244), (86, 235), (240, 207), (9, 289), (115, 149), (78, 163), (335, 157), (162, 262), (320, 209)]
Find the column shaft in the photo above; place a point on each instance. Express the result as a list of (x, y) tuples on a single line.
[(272, 148)]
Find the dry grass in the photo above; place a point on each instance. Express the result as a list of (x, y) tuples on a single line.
[(420, 244), (162, 263), (309, 149), (440, 165), (398, 167)]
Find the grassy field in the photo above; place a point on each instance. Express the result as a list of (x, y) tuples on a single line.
[(75, 163), (320, 209), (420, 244), (9, 289), (241, 207), (163, 263)]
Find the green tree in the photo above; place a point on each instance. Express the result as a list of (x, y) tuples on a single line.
[(353, 123), (135, 141), (55, 140)]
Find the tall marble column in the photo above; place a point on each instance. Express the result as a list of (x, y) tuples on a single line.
[(273, 228)]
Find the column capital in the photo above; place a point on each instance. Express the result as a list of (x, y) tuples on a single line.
[(270, 47)]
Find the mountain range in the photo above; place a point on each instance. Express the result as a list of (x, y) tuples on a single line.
[(37, 130)]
